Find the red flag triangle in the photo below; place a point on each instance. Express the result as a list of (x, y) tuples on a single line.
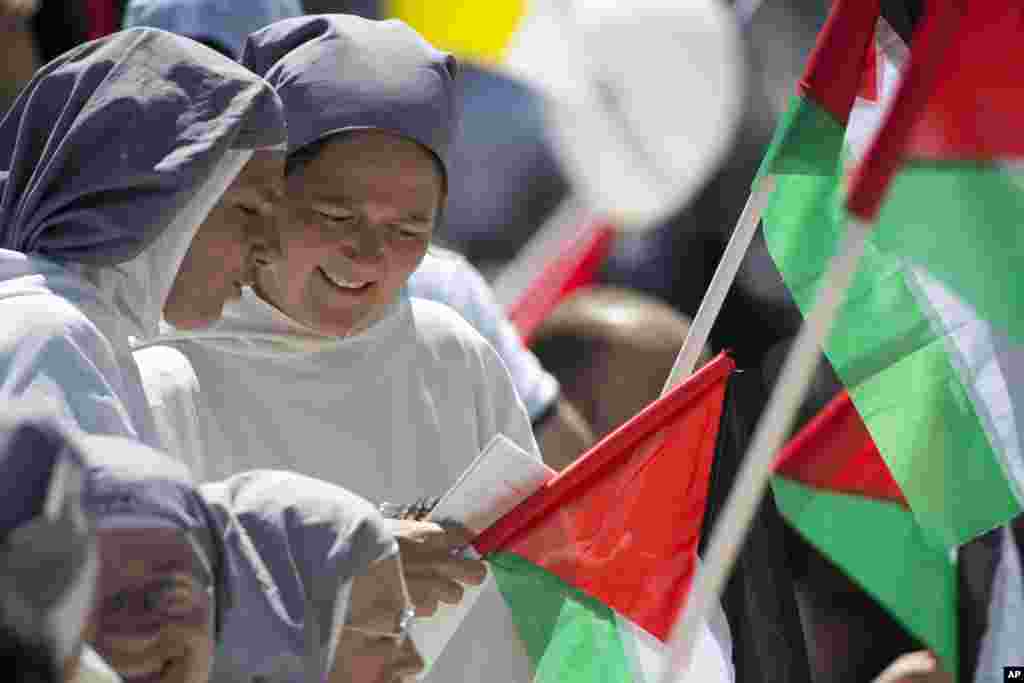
[(835, 452)]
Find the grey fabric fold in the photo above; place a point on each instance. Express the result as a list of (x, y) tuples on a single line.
[(48, 563)]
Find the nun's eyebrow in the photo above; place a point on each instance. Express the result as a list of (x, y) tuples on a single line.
[(418, 217), (274, 195), (167, 566), (332, 204), (344, 203)]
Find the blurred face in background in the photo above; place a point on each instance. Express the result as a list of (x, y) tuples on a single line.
[(359, 218), (21, 57), (238, 237), (154, 621)]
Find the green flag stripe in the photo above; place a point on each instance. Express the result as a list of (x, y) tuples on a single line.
[(881, 548), (885, 349), (960, 221), (569, 636), (930, 435), (807, 141), (802, 230)]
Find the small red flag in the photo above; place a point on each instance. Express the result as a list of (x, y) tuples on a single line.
[(573, 269), (623, 522)]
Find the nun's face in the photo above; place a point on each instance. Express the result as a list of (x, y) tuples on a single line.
[(154, 620), (359, 218), (236, 239), (374, 646)]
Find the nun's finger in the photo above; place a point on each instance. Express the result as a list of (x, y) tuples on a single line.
[(426, 607), (428, 590), (462, 569), (419, 537), (458, 535)]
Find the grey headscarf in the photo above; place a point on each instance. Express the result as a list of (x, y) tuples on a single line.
[(110, 160), (48, 563), (107, 143), (282, 550), (300, 542), (338, 72)]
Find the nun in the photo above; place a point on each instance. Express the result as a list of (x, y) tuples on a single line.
[(48, 558), (327, 349), (442, 275), (267, 577), (110, 159)]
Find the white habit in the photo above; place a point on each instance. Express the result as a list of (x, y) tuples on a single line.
[(394, 413)]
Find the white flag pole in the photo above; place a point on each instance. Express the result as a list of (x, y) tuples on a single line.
[(721, 282), (787, 395), (564, 227)]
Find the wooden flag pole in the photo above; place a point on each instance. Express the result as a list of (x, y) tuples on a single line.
[(565, 225), (788, 393), (721, 283)]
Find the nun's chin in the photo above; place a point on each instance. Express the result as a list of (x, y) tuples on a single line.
[(185, 317), (190, 322)]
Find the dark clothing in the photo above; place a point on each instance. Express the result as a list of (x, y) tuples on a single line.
[(759, 599), (59, 25)]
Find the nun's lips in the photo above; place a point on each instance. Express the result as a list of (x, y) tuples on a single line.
[(241, 283), (148, 678), (152, 677), (347, 286)]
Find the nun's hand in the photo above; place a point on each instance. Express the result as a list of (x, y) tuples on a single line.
[(434, 571), (915, 667)]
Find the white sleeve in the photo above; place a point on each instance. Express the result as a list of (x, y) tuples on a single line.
[(172, 390), (52, 354), (504, 405), (450, 279)]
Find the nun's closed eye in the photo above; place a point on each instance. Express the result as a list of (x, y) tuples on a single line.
[(251, 210), (176, 596), (410, 231), (172, 596), (334, 218), (116, 602)]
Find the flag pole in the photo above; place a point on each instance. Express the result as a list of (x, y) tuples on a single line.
[(787, 394), (565, 225), (721, 283)]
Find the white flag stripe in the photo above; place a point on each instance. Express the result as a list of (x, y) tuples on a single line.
[(711, 661), (989, 365)]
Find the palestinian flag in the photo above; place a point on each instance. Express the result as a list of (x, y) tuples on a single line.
[(596, 565), (936, 385), (806, 151), (575, 267), (943, 179), (833, 486)]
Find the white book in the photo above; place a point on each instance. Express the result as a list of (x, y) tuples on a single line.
[(501, 477)]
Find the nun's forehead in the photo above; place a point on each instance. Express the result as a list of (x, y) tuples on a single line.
[(353, 143), (130, 553)]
